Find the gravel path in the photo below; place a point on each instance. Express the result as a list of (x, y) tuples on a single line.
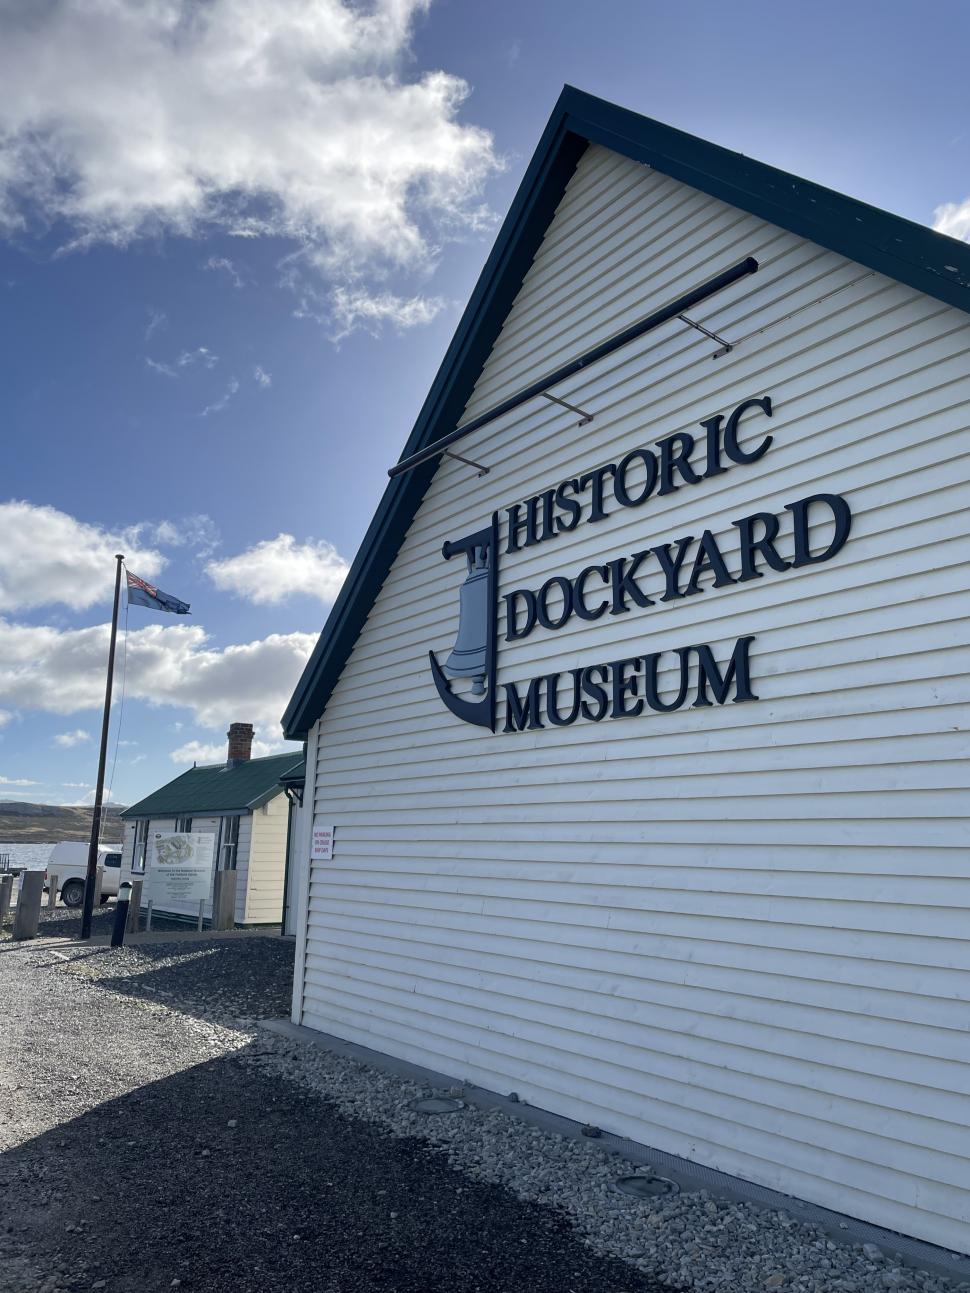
[(65, 922), (144, 1146)]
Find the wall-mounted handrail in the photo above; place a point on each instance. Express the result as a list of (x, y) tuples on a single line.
[(666, 312)]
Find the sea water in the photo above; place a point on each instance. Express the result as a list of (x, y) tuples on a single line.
[(29, 857)]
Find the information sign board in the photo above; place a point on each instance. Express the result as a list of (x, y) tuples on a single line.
[(180, 867)]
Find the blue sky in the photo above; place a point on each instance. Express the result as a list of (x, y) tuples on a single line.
[(235, 239)]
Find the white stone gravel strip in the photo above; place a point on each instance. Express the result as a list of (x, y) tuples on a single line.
[(690, 1240)]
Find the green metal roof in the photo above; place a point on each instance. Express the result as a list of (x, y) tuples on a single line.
[(218, 788)]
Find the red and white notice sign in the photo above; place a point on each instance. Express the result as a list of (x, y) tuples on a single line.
[(321, 849)]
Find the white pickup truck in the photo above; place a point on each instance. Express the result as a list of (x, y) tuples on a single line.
[(69, 864)]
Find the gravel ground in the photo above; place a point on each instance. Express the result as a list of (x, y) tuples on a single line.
[(238, 1158), (65, 922), (144, 1146), (689, 1241)]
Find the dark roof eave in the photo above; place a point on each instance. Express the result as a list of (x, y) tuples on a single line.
[(187, 810)]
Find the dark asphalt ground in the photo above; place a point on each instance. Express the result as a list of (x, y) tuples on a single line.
[(121, 1170)]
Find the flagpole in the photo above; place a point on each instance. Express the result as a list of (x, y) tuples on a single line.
[(92, 872)]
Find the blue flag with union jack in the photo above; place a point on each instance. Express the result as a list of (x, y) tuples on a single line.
[(141, 593)]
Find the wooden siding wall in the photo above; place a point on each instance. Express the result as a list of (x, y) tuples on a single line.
[(267, 863), (739, 934)]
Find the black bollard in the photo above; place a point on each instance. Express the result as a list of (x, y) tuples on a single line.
[(121, 915)]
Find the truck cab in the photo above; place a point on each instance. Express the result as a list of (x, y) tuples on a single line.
[(67, 868)]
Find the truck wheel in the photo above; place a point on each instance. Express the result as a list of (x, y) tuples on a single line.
[(72, 895)]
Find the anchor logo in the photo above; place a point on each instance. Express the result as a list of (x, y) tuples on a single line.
[(473, 655)]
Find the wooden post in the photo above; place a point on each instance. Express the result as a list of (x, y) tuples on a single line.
[(122, 908), (51, 889), (135, 908), (98, 885), (148, 916), (6, 886), (224, 900), (26, 918), (201, 914)]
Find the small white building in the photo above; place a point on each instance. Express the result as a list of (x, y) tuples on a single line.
[(246, 805), (638, 749)]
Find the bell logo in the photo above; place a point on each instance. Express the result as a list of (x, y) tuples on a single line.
[(473, 655)]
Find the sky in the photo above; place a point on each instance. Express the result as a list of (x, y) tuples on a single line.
[(235, 239)]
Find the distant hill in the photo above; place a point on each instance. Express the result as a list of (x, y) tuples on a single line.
[(50, 823)]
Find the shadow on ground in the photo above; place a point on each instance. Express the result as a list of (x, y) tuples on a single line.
[(223, 980), (224, 1179)]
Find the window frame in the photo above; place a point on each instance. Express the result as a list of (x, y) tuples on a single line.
[(183, 825), (139, 848), (229, 842)]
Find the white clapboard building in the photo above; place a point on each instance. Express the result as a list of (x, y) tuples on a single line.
[(640, 725), (242, 810)]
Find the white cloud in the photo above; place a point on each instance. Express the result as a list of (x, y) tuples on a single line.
[(953, 218), (47, 556), (66, 740), (275, 569), (214, 752), (200, 355), (352, 308), (17, 781), (198, 532), (295, 119), (107, 797), (222, 264), (223, 400), (262, 377), (156, 319), (61, 671), (166, 370)]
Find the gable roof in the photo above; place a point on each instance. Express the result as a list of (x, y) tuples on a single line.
[(219, 788), (908, 252)]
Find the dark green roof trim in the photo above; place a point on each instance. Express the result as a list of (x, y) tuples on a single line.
[(901, 249), (294, 775), (219, 789)]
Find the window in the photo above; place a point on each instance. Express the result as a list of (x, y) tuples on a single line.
[(183, 824), (112, 859), (230, 838), (141, 847)]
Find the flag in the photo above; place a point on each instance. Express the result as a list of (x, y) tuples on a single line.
[(141, 593)]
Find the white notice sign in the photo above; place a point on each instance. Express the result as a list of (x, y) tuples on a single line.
[(180, 867), (321, 849)]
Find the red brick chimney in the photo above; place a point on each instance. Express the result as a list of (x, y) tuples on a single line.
[(240, 743)]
